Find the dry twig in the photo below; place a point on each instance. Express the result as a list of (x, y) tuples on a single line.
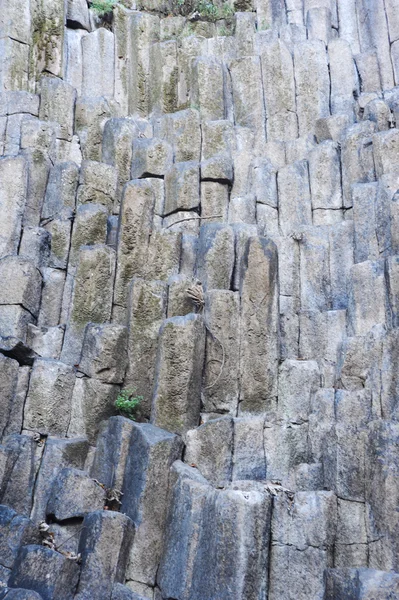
[(193, 219)]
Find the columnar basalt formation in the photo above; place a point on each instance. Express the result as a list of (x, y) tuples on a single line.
[(199, 202)]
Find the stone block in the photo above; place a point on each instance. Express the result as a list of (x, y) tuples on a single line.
[(264, 182), (294, 405), (177, 386), (259, 325), (92, 402), (182, 187), (221, 377), (364, 197), (248, 96), (312, 84), (57, 455), (47, 48), (48, 404), (60, 198), (385, 151), (98, 63), (144, 31), (91, 298), (16, 531), (104, 352), (22, 283), (146, 311), (73, 68), (14, 321), (242, 210), (135, 221), (151, 157), (367, 305), (215, 256), (164, 77), (8, 389), (35, 245), (46, 342), (14, 70), (32, 567), (145, 499), (74, 494), (91, 118), (324, 176), (38, 169), (182, 131), (249, 460), (15, 417), (57, 103), (341, 261), (89, 229), (104, 545), (314, 270), (295, 209), (98, 184), (207, 91), (210, 448), (163, 256), (214, 201), (286, 447), (78, 14), (357, 157), (344, 85), (13, 190), (20, 594), (279, 91)]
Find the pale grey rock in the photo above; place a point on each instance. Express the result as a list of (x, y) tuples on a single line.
[(151, 157), (249, 460), (310, 63), (35, 245), (73, 67), (221, 376), (146, 311), (343, 77), (78, 14), (294, 197), (14, 71), (332, 128), (8, 389), (247, 96), (13, 190), (264, 182), (325, 176), (48, 404), (91, 298), (386, 151), (242, 210), (15, 531), (279, 91), (215, 256), (209, 448), (360, 584), (177, 385), (22, 283), (364, 197), (318, 24), (92, 402), (135, 221), (104, 352), (367, 296), (341, 260), (182, 131), (357, 157), (38, 169), (98, 63), (60, 198), (214, 201), (57, 103), (259, 319), (15, 416), (14, 321), (60, 232), (91, 118), (182, 187), (368, 69), (98, 184), (293, 376), (89, 229), (45, 341), (208, 87)]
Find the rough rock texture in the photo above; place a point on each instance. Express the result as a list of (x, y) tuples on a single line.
[(199, 210)]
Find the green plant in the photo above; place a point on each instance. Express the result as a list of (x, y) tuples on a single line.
[(103, 7), (127, 403)]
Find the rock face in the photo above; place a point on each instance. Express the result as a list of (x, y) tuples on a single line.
[(199, 300)]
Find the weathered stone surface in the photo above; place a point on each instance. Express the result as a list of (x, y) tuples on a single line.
[(35, 563), (8, 389), (50, 306), (20, 594), (182, 130), (89, 229), (247, 95), (74, 494), (147, 309), (14, 71), (151, 157), (360, 584), (208, 88), (92, 297), (215, 256), (78, 14), (48, 404), (98, 184), (45, 341), (57, 455), (177, 386), (232, 572), (104, 352), (279, 91), (145, 500), (294, 197), (57, 103), (13, 190), (209, 448), (92, 402), (15, 531), (357, 157), (182, 187), (258, 329), (22, 283), (91, 118), (221, 377), (135, 221), (310, 62), (104, 545), (98, 63)]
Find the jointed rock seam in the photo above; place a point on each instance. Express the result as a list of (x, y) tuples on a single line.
[(205, 212)]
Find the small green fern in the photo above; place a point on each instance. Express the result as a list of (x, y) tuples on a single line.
[(103, 7), (127, 403)]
